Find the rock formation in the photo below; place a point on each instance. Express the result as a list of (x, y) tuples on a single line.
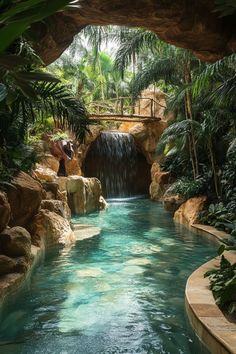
[(172, 202), (16, 242), (5, 211), (49, 228), (188, 212), (84, 195), (160, 182), (24, 196), (59, 207), (46, 222), (193, 25)]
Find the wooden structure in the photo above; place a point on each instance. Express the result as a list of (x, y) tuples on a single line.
[(124, 109)]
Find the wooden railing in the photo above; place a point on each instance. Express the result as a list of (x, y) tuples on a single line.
[(124, 107)]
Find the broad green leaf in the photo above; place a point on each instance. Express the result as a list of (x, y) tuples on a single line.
[(13, 30), (18, 8)]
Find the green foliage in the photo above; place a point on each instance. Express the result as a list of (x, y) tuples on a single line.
[(59, 136), (219, 216), (28, 94), (93, 80), (188, 188), (223, 285), (177, 164)]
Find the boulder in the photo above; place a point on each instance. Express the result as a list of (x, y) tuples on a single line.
[(24, 196), (51, 162), (57, 206), (44, 173), (16, 242), (51, 189), (83, 194), (146, 135), (160, 182), (102, 203), (72, 167), (7, 265), (62, 196), (49, 228), (61, 181), (22, 265), (188, 212), (5, 211), (172, 202)]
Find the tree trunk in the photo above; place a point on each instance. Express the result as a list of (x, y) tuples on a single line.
[(188, 107), (213, 166), (190, 143)]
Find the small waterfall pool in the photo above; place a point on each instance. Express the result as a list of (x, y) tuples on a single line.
[(120, 292), (115, 160)]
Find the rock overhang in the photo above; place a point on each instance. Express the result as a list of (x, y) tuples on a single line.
[(192, 25)]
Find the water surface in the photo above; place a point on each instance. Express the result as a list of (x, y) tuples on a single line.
[(120, 292)]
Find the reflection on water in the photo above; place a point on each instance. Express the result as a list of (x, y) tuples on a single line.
[(121, 292)]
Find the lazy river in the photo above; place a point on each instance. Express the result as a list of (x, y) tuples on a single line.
[(120, 292)]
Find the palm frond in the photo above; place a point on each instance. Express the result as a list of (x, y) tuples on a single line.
[(133, 44), (153, 71), (214, 73), (56, 100), (225, 94), (175, 131)]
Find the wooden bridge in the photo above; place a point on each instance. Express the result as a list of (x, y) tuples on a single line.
[(125, 109)]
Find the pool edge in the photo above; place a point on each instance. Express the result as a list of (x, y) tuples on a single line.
[(208, 322)]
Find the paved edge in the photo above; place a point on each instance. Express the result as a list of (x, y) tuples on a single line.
[(207, 320)]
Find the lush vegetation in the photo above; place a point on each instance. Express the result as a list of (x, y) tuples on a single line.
[(223, 285), (199, 146), (28, 93)]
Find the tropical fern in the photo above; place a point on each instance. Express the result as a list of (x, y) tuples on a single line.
[(214, 73)]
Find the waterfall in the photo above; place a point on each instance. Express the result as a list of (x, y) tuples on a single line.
[(114, 159)]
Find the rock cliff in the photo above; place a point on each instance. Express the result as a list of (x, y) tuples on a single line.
[(188, 24)]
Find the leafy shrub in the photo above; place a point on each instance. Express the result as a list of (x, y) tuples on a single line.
[(219, 216), (187, 187), (223, 285), (228, 182), (177, 164)]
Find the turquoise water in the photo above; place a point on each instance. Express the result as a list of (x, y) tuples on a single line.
[(120, 292)]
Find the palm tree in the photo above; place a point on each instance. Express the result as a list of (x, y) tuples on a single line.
[(167, 63)]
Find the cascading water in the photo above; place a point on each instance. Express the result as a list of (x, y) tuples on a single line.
[(114, 159)]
